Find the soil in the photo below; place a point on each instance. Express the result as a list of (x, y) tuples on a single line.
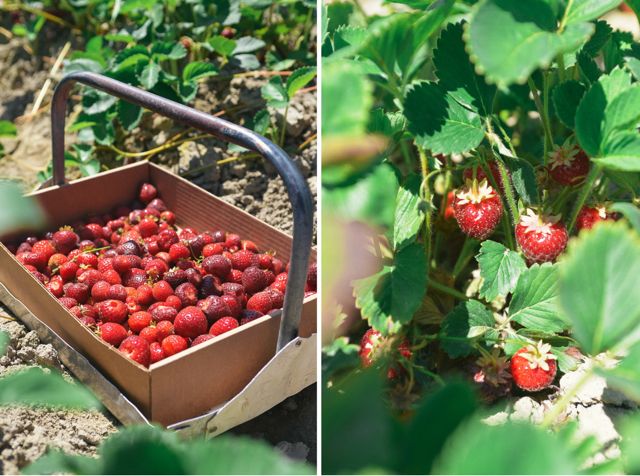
[(251, 184)]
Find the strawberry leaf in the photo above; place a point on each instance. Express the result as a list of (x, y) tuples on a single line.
[(535, 300), (587, 10), (198, 70), (391, 296), (625, 376), (409, 217), (500, 269), (598, 288), (468, 320), (18, 212), (509, 39), (457, 75), (128, 114), (299, 79), (566, 97), (439, 122), (275, 94)]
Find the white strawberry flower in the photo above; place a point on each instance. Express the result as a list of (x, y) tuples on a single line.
[(562, 155), (602, 212), (538, 355), (478, 194), (539, 223)]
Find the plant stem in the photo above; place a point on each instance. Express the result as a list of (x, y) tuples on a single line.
[(468, 249), (447, 290), (425, 191), (560, 61), (553, 414), (283, 126), (543, 117), (508, 190), (583, 195)]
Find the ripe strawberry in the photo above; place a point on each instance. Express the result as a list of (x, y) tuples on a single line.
[(248, 316), (147, 227), (235, 276), (124, 263), (163, 313), (162, 290), (232, 242), (173, 344), (374, 346), (68, 302), (254, 279), (190, 322), (179, 251), (233, 289), (112, 333), (312, 277), (214, 307), (217, 265), (112, 311), (111, 276), (174, 302), (118, 292), (156, 268), (100, 291), (169, 217), (234, 305), (533, 367), (87, 260), (68, 270), (280, 282), (65, 240), (137, 349), (222, 325), (261, 302), (212, 249), (129, 244), (477, 209), (590, 216), (90, 277), (568, 164), (150, 333), (147, 193), (188, 294), (277, 298), (144, 295), (541, 237), (44, 247), (55, 286), (91, 231), (165, 329), (77, 291), (56, 261), (84, 310), (202, 338), (37, 259), (449, 213), (139, 320), (134, 278), (242, 259), (248, 246), (156, 352), (194, 277)]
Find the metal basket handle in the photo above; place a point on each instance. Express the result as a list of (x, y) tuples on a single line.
[(297, 188)]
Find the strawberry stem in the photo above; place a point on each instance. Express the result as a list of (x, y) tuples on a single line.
[(447, 290), (543, 117), (585, 190), (426, 197)]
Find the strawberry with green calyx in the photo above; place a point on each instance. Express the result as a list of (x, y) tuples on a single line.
[(541, 237), (568, 164), (477, 209), (374, 346), (534, 367)]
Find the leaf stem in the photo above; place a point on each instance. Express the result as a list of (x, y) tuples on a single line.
[(425, 195), (543, 117), (583, 195), (447, 290)]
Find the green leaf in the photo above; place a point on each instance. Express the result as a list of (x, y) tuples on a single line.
[(8, 129), (338, 356), (500, 269), (409, 216), (166, 50), (198, 70), (472, 450), (247, 44), (92, 167), (129, 114), (221, 45), (566, 97), (468, 320), (523, 177), (535, 300), (509, 39), (633, 65), (598, 287), (587, 10), (347, 93), (275, 94), (622, 112), (299, 79), (35, 387), (439, 122), (83, 64), (598, 39), (96, 102), (149, 75), (630, 426), (630, 212), (621, 152), (625, 376), (430, 427), (591, 112), (17, 211), (57, 462), (392, 296), (457, 75)]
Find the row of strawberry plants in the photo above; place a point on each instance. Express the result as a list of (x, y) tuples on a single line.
[(488, 148)]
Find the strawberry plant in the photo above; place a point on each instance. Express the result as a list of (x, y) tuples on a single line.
[(481, 164)]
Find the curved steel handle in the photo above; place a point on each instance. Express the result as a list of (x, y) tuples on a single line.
[(297, 188)]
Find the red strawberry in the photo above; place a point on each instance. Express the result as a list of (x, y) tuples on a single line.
[(541, 237), (217, 265), (214, 307), (65, 240), (112, 311), (163, 313), (55, 286), (91, 231), (179, 251), (77, 291), (248, 245), (223, 325), (147, 193), (243, 259), (312, 277), (156, 268), (533, 367), (157, 354), (111, 276), (137, 349), (165, 329), (166, 238), (202, 338), (112, 333), (232, 241), (90, 277), (280, 282), (124, 263), (162, 290), (68, 270), (188, 294), (277, 298), (589, 216), (190, 322), (234, 305), (100, 291), (235, 276), (568, 164), (56, 261), (87, 260), (168, 216), (449, 213), (150, 333), (118, 292), (37, 259), (148, 227), (174, 302), (173, 344), (254, 279), (68, 302), (212, 249), (477, 209), (139, 320), (144, 295), (134, 278), (248, 316), (261, 302), (374, 346)]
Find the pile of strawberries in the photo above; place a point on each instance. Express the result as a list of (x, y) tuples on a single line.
[(153, 290)]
